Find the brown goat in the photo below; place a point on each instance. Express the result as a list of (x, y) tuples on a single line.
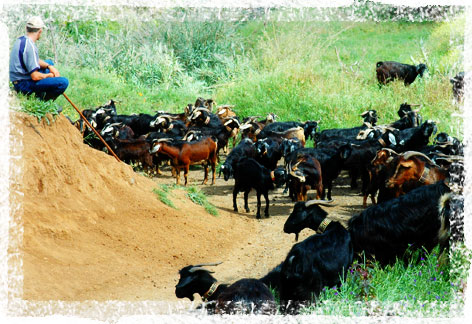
[(224, 113), (417, 168), (295, 132), (305, 175), (182, 154), (133, 150)]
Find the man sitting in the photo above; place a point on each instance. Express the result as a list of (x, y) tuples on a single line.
[(28, 73)]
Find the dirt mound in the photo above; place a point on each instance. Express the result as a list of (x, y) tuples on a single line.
[(93, 229)]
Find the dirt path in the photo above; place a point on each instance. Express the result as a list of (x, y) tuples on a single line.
[(267, 245)]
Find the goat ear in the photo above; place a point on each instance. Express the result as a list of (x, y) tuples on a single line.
[(407, 164)]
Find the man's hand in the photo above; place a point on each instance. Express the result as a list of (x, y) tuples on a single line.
[(54, 71)]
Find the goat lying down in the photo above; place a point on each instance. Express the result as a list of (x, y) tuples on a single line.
[(243, 296)]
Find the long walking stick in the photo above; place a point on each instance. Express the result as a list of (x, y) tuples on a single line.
[(91, 127)]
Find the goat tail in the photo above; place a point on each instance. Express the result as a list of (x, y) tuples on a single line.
[(379, 64)]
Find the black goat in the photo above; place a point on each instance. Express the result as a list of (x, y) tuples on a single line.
[(330, 159), (370, 119), (416, 138), (245, 149), (269, 151), (389, 70), (249, 174), (320, 260), (243, 296), (458, 86), (309, 128), (388, 229)]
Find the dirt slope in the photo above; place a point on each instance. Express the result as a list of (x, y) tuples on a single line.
[(93, 229)]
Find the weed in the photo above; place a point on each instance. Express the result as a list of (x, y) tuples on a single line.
[(38, 108), (163, 195), (199, 198)]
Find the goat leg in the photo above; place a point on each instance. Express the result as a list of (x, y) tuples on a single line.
[(235, 193), (177, 174), (186, 173), (246, 196), (372, 198), (258, 214), (205, 180), (213, 170), (266, 197)]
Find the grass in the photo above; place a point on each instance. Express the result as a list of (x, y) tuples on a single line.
[(193, 193), (427, 285), (163, 195), (199, 198), (38, 108)]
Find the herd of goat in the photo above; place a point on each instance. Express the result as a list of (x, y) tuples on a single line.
[(409, 183)]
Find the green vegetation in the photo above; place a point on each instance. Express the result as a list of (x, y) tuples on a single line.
[(163, 194), (199, 198), (38, 108), (426, 285), (193, 193), (300, 70)]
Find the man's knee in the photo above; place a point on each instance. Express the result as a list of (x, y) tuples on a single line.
[(62, 84), (49, 62)]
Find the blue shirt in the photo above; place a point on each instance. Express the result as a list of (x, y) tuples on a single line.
[(24, 59)]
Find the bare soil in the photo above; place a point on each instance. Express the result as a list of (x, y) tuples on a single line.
[(94, 230)]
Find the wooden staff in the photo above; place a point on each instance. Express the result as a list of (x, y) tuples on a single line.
[(91, 127)]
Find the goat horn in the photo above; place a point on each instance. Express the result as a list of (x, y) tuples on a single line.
[(202, 108), (415, 105), (301, 177), (390, 150), (409, 154), (364, 113), (193, 269), (319, 202), (208, 264), (160, 140)]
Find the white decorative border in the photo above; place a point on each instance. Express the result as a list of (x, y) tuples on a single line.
[(115, 311)]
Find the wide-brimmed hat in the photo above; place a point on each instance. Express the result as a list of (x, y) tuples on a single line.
[(35, 22)]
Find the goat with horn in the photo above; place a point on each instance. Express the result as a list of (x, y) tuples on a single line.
[(414, 169), (243, 296)]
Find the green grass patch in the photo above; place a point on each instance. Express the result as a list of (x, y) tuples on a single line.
[(38, 108), (428, 284), (199, 198), (163, 194)]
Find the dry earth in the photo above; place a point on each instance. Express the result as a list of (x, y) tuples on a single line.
[(93, 229)]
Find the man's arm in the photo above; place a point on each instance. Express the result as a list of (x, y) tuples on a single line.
[(45, 65), (36, 75)]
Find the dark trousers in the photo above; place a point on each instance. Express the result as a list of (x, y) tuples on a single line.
[(45, 89)]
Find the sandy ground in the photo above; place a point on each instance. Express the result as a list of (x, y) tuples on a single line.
[(93, 229)]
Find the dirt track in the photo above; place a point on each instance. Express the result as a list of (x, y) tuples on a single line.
[(93, 229)]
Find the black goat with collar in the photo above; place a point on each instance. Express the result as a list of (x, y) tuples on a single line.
[(243, 296), (316, 262)]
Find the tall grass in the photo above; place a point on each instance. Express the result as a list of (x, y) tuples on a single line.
[(426, 285), (312, 70)]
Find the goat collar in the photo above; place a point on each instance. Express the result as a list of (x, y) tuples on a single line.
[(424, 175), (323, 225), (382, 142), (210, 291)]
